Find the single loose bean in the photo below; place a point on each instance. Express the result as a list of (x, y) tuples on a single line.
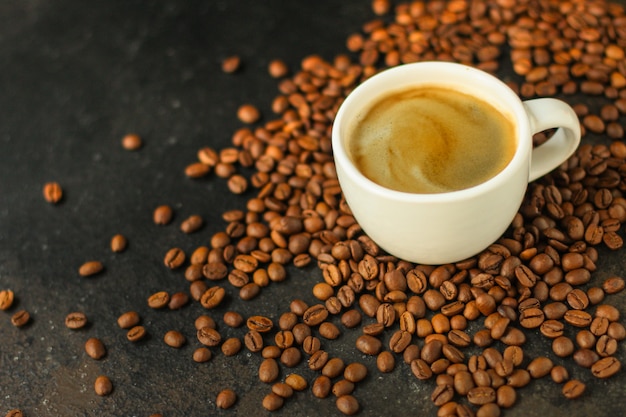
[(52, 192), (76, 320), (162, 215), (118, 243), (347, 404), (95, 348), (225, 398), (174, 338), (90, 268), (103, 385), (573, 388), (6, 299)]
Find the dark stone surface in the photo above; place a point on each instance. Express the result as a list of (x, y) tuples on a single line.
[(74, 77)]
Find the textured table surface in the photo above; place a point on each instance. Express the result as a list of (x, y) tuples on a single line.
[(76, 76)]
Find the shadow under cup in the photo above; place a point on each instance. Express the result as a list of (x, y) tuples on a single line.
[(443, 227)]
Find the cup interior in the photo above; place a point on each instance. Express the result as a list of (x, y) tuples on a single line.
[(450, 75)]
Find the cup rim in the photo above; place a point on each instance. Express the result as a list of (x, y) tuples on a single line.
[(517, 112)]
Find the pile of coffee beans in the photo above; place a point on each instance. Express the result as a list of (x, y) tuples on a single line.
[(462, 326)]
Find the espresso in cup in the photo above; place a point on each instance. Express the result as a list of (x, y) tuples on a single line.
[(472, 184), (431, 139)]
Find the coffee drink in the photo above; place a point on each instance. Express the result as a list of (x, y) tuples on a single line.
[(431, 139)]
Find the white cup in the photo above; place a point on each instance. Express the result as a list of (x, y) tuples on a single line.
[(452, 226)]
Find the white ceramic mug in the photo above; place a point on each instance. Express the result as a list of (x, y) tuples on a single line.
[(452, 226)]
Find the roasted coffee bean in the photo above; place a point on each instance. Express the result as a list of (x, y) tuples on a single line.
[(158, 300), (559, 374), (333, 367), (290, 357), (351, 318), (315, 315), (552, 328), (386, 362), (204, 321), (231, 346), (531, 318), (272, 402), (76, 320), (178, 300), (162, 215), (118, 243), (103, 386), (481, 395), (6, 299), (578, 318), (90, 268), (174, 338), (268, 370), (212, 297), (442, 394), (52, 192), (573, 389), (20, 318), (233, 319), (282, 389), (420, 369), (208, 336), (321, 386), (136, 333), (606, 367), (355, 372), (613, 285), (540, 367), (191, 224), (260, 324), (585, 357), (253, 341), (174, 258), (347, 404), (342, 387), (95, 348), (562, 346), (225, 399), (519, 378), (197, 170), (128, 319), (296, 381), (132, 142)]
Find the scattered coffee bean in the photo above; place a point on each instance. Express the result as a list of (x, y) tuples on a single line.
[(248, 113), (131, 142), (174, 338), (90, 268), (20, 318), (136, 333), (226, 398), (573, 389), (76, 320), (174, 258), (158, 300), (202, 354), (191, 224), (118, 243), (52, 192), (95, 348), (273, 402), (231, 64), (347, 404), (128, 319), (163, 215), (103, 386), (6, 299)]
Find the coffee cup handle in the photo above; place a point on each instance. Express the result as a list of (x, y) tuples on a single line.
[(550, 113)]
